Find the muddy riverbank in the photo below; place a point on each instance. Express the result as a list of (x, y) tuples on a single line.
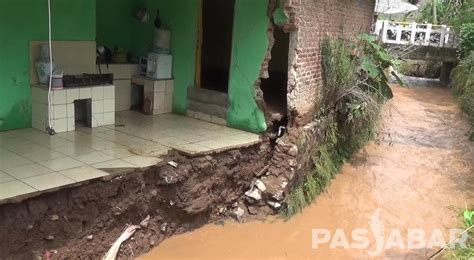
[(417, 175)]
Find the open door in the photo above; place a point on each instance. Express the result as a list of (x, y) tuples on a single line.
[(214, 50)]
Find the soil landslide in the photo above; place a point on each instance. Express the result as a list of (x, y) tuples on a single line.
[(83, 222)]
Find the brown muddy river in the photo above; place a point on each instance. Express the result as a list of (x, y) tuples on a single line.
[(417, 177)]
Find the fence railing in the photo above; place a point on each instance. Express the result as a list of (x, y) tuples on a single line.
[(416, 34)]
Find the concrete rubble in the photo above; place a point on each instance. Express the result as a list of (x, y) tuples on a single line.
[(254, 193)]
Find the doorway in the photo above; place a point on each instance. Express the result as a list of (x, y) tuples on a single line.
[(274, 87), (216, 23)]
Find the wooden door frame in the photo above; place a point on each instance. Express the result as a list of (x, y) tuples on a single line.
[(197, 76)]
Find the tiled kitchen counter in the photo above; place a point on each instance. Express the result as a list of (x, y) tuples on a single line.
[(123, 74), (157, 94), (62, 111)]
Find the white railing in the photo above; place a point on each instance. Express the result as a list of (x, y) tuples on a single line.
[(415, 34)]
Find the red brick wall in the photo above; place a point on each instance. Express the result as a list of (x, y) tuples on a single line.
[(311, 21)]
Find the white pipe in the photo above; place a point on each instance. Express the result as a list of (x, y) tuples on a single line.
[(50, 128)]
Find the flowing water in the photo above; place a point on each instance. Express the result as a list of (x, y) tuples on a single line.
[(418, 176)]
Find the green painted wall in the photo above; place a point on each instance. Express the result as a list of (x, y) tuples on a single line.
[(181, 17), (250, 43), (115, 23), (116, 27), (20, 22)]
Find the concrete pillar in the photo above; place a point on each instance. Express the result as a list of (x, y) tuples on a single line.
[(446, 68)]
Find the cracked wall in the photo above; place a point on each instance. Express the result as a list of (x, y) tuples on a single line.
[(308, 22)]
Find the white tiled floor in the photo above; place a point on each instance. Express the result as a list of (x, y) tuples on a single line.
[(32, 161)]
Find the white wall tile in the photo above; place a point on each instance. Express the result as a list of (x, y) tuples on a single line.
[(39, 109), (133, 69), (85, 93), (104, 69), (72, 94), (109, 105), (97, 93), (123, 92), (168, 103), (169, 87), (70, 110), (59, 111), (115, 69), (71, 124), (158, 111), (59, 97), (160, 86), (109, 92), (60, 125), (109, 118), (97, 120), (97, 106), (159, 101)]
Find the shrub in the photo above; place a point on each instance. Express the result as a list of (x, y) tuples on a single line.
[(463, 84), (450, 12), (466, 36), (355, 87)]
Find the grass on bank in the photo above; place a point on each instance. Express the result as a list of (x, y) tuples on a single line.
[(461, 252), (463, 84), (356, 85)]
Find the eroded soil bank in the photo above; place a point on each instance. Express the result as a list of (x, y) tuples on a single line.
[(418, 175), (83, 222)]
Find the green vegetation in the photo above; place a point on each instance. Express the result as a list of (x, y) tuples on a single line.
[(451, 12), (466, 39), (463, 84), (356, 84), (463, 75), (327, 163), (467, 252)]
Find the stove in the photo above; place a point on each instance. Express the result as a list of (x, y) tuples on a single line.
[(70, 81)]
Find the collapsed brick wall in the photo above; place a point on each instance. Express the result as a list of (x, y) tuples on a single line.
[(310, 22), (272, 5)]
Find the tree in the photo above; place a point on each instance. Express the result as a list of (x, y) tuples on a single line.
[(433, 6)]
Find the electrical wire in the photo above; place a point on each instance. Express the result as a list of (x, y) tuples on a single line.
[(50, 129)]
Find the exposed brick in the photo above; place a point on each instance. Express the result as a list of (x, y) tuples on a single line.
[(310, 22)]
